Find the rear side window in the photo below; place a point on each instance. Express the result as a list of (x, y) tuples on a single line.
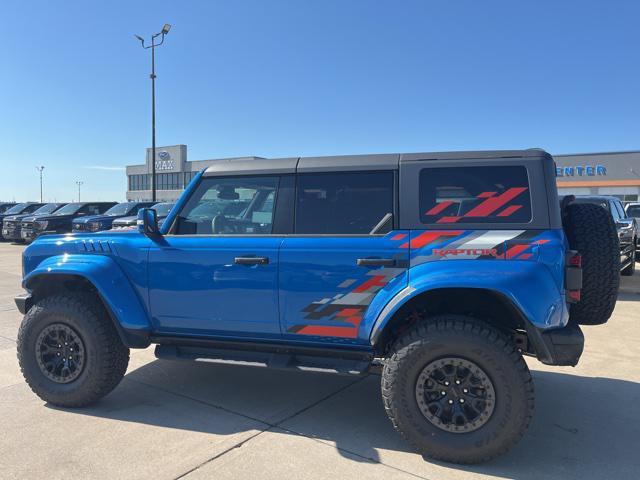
[(475, 195), (343, 203)]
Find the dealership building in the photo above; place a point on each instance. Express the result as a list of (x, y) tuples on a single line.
[(606, 173)]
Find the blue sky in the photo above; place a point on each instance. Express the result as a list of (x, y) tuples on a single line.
[(290, 78)]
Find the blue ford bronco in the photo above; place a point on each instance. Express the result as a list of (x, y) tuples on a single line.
[(441, 270)]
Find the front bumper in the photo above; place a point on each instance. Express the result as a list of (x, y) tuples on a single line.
[(30, 234), (12, 233), (23, 302), (560, 346)]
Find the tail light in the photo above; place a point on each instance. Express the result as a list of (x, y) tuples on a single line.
[(573, 276)]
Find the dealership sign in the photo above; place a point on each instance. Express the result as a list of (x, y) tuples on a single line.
[(581, 171), (165, 162)]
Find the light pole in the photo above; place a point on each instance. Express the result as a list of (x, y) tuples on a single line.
[(79, 183), (40, 169), (161, 34)]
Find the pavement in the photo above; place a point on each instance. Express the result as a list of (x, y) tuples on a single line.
[(170, 420)]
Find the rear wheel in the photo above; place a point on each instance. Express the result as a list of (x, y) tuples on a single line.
[(457, 390), (590, 230), (69, 351)]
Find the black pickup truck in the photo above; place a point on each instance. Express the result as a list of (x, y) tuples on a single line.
[(61, 220), (18, 209)]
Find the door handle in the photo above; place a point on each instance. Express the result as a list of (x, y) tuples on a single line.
[(251, 260), (376, 262)]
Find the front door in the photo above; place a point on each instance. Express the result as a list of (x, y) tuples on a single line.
[(216, 273), (344, 260)]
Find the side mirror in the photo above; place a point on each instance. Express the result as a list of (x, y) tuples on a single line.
[(148, 222)]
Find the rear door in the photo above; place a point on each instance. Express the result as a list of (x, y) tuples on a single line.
[(344, 260)]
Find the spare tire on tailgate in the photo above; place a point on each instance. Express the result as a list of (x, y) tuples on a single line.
[(591, 231)]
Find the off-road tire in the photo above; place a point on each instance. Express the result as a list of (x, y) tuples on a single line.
[(473, 340), (590, 230), (106, 358), (630, 269)]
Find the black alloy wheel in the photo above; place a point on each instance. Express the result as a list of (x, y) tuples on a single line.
[(455, 395), (60, 353)]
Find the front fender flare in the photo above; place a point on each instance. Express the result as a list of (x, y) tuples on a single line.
[(118, 295)]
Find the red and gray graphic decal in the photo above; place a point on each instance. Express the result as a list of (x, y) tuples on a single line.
[(346, 309), (491, 204), (434, 245)]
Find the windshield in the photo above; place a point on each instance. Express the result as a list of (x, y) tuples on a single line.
[(69, 209), (17, 208), (121, 209), (163, 209), (48, 208), (634, 211)]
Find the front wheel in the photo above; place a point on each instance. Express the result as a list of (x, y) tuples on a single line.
[(457, 390), (69, 351)]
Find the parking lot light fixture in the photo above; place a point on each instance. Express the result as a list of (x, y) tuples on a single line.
[(79, 183), (40, 169), (165, 29)]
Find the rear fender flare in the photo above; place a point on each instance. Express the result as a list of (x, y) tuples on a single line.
[(543, 307)]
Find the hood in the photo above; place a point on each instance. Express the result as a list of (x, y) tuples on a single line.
[(129, 220), (53, 218), (23, 216), (95, 218)]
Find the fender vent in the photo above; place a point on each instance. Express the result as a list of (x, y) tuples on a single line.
[(99, 246)]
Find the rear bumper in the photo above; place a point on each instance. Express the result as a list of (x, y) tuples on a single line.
[(561, 346)]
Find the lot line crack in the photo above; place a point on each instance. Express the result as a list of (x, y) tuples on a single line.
[(202, 402), (215, 457), (326, 397), (269, 425)]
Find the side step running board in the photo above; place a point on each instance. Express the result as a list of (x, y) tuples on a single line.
[(279, 360)]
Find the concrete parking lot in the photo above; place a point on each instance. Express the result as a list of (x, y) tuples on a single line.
[(171, 420)]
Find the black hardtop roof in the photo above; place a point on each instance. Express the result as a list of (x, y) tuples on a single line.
[(381, 161)]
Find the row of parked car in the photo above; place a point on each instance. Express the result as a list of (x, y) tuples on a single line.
[(27, 221)]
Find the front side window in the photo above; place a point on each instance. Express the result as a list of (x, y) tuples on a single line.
[(344, 203), (93, 209), (459, 195), (230, 206)]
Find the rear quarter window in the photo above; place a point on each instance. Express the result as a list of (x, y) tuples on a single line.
[(459, 195)]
